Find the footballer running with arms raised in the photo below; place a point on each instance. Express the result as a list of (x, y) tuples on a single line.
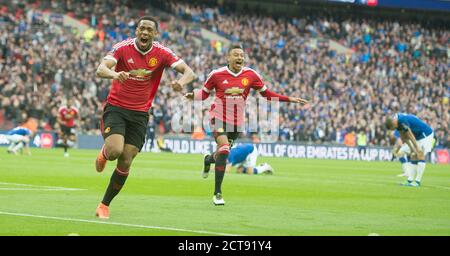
[(232, 84), (135, 66)]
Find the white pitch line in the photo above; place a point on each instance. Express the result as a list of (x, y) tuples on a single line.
[(435, 186), (118, 224), (41, 189), (37, 187)]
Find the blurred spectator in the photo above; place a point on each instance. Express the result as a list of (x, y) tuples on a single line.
[(350, 139), (361, 141)]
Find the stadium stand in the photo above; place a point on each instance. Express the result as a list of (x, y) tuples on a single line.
[(386, 65)]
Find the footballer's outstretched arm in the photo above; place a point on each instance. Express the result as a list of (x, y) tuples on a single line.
[(105, 70), (78, 123), (228, 168), (269, 95), (27, 145), (187, 77), (198, 94), (59, 119)]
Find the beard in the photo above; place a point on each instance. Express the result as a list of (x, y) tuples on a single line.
[(144, 44)]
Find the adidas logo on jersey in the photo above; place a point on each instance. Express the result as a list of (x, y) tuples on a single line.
[(130, 60), (225, 82)]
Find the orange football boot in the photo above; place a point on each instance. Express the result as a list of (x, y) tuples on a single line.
[(100, 162), (102, 211)]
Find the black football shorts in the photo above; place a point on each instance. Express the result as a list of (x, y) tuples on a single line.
[(132, 125), (220, 127), (67, 131)]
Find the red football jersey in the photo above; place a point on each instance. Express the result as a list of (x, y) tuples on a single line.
[(232, 90), (145, 68), (68, 115)]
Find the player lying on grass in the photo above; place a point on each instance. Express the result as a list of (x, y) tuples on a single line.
[(244, 157), (19, 139)]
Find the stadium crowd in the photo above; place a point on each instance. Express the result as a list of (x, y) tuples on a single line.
[(388, 66)]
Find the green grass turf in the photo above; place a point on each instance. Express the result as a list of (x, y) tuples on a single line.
[(165, 195)]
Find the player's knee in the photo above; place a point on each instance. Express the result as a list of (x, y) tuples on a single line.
[(222, 155), (224, 149), (114, 152)]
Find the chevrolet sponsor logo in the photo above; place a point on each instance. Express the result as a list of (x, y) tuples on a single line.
[(142, 72), (234, 91)]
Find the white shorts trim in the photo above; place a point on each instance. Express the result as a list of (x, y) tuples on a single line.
[(109, 57), (425, 145), (250, 161), (15, 138), (173, 66)]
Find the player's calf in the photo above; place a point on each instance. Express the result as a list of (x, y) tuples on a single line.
[(18, 147), (116, 183), (221, 161), (207, 161)]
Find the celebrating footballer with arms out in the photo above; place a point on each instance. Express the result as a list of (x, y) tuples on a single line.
[(135, 67), (232, 84)]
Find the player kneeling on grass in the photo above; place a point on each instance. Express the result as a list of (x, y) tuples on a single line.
[(243, 157), (19, 139)]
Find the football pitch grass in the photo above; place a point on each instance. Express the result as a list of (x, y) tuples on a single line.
[(47, 194)]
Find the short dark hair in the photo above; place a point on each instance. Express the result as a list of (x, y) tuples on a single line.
[(235, 46), (150, 18)]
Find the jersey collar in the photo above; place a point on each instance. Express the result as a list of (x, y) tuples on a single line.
[(137, 48), (234, 74)]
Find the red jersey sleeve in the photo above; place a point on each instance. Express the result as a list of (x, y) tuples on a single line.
[(210, 83), (61, 112), (115, 53), (77, 112), (170, 58), (257, 83), (269, 95)]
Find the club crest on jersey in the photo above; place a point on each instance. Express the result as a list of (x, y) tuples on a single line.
[(244, 81), (152, 62), (107, 129)]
